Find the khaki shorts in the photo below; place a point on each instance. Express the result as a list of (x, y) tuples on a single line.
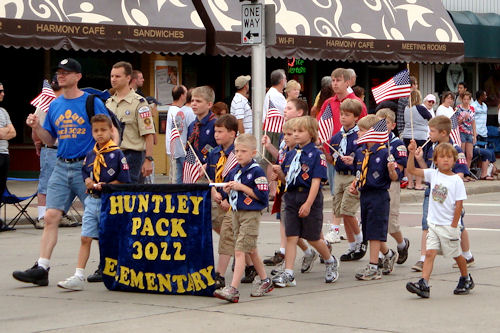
[(246, 229), (395, 195), (344, 202), (444, 239), (223, 221)]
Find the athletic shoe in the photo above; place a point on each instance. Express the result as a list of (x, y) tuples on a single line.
[(403, 254), (308, 261), (96, 276), (274, 260), (278, 269), (347, 256), (388, 263), (464, 285), (228, 293), (68, 222), (367, 274), (220, 281), (419, 288), (40, 223), (262, 288), (418, 267), (283, 280), (470, 262), (332, 271), (250, 274), (72, 283), (36, 275), (330, 249), (333, 236), (359, 251)]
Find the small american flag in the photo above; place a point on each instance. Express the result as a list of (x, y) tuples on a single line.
[(455, 131), (231, 162), (43, 100), (397, 86), (191, 171), (326, 125), (377, 134), (174, 134), (274, 120)]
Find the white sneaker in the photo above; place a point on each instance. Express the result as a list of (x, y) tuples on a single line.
[(67, 221), (72, 283), (332, 236), (40, 223)]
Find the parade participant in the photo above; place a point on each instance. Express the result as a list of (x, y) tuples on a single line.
[(445, 209), (248, 191), (105, 164)]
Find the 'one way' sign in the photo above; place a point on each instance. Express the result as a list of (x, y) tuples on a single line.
[(252, 17)]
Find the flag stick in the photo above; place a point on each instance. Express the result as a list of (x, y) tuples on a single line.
[(409, 103), (335, 150), (265, 159), (198, 160), (426, 142)]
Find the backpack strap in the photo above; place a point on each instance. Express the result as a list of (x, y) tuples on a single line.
[(89, 106)]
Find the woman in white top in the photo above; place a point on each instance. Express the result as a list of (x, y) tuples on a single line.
[(446, 107), (292, 90)]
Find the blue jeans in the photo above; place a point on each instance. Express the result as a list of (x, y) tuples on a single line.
[(179, 168), (48, 159), (65, 183), (91, 217), (425, 208), (331, 177)]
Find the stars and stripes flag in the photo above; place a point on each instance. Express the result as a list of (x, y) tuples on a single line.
[(43, 100), (377, 134), (231, 162), (191, 171), (274, 120), (455, 131), (174, 134), (325, 125), (397, 86)]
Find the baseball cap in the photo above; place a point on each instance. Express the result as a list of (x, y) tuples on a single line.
[(70, 65), (430, 97), (241, 81), (152, 100)]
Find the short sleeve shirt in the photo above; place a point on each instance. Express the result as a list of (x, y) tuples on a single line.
[(399, 152), (377, 176), (4, 122), (446, 190), (206, 141), (313, 165), (460, 165), (136, 115), (116, 167), (277, 99), (254, 177), (350, 150), (240, 108), (467, 117)]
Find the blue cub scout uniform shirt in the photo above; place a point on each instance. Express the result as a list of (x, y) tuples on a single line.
[(350, 150), (400, 153), (116, 167), (206, 142), (377, 176), (212, 160), (255, 178), (460, 164), (313, 165)]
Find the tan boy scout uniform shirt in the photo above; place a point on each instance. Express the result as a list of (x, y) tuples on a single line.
[(135, 113)]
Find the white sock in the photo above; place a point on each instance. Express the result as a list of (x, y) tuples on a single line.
[(467, 255), (422, 258), (401, 245), (289, 271), (80, 272), (373, 267), (282, 250), (380, 255), (359, 237), (44, 263), (326, 242), (389, 253), (41, 211), (352, 246), (308, 252), (330, 260)]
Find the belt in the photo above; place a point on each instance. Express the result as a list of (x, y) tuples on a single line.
[(299, 189), (50, 147), (71, 160), (95, 195), (345, 173)]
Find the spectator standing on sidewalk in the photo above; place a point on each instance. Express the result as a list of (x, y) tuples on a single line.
[(240, 107)]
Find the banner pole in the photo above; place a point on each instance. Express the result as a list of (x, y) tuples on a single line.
[(409, 104)]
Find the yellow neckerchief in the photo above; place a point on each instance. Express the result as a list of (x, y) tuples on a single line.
[(219, 168), (364, 166), (99, 158)]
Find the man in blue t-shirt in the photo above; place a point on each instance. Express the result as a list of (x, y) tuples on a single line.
[(66, 121)]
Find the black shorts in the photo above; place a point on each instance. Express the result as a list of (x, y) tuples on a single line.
[(308, 227), (375, 214)]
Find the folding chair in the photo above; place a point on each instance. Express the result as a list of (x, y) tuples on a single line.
[(11, 199)]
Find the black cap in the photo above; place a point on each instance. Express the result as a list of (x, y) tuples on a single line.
[(152, 100), (70, 65)]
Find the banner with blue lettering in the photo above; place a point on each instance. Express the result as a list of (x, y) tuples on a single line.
[(157, 239)]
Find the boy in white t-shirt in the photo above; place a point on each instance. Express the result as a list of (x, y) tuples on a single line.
[(445, 208)]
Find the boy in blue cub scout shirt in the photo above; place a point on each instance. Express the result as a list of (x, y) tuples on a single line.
[(439, 132), (346, 204), (248, 195), (303, 170), (374, 174), (105, 164), (400, 155), (201, 131)]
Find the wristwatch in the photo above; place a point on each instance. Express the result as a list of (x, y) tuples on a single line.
[(150, 158)]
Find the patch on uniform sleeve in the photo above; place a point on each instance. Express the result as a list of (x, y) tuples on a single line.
[(144, 112), (124, 163), (262, 184), (402, 152), (461, 158), (323, 160)]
